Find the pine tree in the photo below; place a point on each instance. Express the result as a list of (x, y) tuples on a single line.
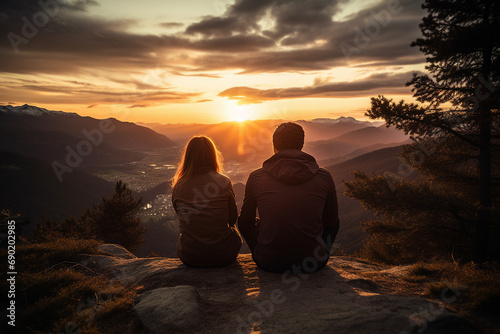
[(115, 220), (457, 119)]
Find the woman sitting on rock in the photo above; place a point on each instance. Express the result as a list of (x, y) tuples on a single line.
[(205, 204)]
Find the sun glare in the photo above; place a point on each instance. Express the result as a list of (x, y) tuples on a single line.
[(239, 113), (242, 113)]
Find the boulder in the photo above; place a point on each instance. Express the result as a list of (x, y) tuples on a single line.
[(169, 309)]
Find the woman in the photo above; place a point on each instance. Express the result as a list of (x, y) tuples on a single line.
[(205, 204)]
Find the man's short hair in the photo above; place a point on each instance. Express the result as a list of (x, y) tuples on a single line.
[(288, 136)]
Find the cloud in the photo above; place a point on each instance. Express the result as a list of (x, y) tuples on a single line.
[(72, 41), (321, 81), (237, 43), (240, 18), (98, 94), (222, 26), (204, 75), (252, 7), (301, 22), (316, 59), (308, 39), (143, 105), (300, 35), (252, 36), (171, 24), (298, 20), (374, 84), (13, 8)]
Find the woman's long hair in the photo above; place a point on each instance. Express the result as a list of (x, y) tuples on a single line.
[(200, 156)]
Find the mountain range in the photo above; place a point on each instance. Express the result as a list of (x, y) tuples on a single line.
[(351, 144), (351, 213), (333, 140), (51, 135)]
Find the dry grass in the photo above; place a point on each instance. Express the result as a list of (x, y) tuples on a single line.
[(60, 295), (465, 287), (423, 272), (472, 289)]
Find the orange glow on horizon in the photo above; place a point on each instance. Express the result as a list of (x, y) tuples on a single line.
[(239, 113)]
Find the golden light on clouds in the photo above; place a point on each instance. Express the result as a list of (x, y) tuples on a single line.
[(228, 60)]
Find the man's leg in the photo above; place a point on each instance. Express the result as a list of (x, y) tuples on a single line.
[(328, 236)]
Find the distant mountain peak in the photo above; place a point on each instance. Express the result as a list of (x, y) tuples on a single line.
[(27, 109), (341, 119)]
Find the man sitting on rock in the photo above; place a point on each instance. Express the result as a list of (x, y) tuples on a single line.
[(296, 204)]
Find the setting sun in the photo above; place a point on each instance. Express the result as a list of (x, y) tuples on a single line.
[(242, 113), (239, 113)]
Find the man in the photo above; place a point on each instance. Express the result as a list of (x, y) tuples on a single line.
[(296, 204)]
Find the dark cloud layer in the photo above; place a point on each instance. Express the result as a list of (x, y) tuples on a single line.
[(303, 37), (17, 8), (252, 36), (85, 93), (386, 82), (219, 26)]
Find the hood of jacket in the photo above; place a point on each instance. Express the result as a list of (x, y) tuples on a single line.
[(291, 166)]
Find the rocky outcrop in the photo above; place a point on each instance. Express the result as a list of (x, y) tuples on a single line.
[(241, 298), (169, 309)]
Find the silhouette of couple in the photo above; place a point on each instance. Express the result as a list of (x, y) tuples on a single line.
[(289, 216)]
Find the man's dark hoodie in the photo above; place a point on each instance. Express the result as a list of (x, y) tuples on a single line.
[(297, 209)]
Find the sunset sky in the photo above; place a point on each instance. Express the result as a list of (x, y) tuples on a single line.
[(207, 61)]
